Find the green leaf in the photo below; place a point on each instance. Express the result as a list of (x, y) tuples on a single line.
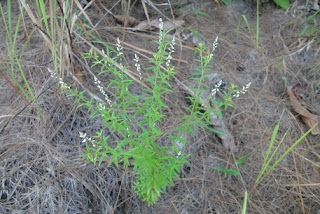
[(215, 131), (195, 74), (228, 171), (194, 32), (285, 4), (244, 206), (243, 159), (103, 155), (200, 13), (227, 2)]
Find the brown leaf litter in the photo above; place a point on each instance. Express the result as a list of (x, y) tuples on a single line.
[(298, 105)]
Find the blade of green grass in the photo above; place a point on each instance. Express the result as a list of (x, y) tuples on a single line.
[(255, 40), (264, 171), (242, 160), (285, 4), (287, 152), (9, 65), (244, 206), (265, 166), (273, 137), (227, 2), (44, 16), (244, 18), (200, 13), (228, 171)]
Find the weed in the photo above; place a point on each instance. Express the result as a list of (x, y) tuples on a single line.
[(236, 172), (312, 27), (285, 4), (266, 167), (226, 1), (155, 163), (255, 40), (11, 60)]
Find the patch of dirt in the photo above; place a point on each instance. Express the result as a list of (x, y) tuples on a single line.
[(41, 169)]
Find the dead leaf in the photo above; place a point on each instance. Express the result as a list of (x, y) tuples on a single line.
[(126, 20), (167, 25), (311, 120), (142, 26), (171, 25), (79, 74)]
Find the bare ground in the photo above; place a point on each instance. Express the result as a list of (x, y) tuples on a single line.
[(40, 166)]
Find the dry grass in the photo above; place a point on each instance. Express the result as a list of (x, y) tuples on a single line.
[(40, 167)]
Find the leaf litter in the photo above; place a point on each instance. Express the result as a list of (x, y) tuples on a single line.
[(299, 106)]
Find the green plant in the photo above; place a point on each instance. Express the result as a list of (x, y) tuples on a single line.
[(237, 172), (51, 27), (11, 59), (200, 13), (226, 1), (266, 167), (136, 119), (312, 27), (255, 39), (285, 4), (54, 27)]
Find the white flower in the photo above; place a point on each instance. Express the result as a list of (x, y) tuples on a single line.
[(171, 50), (98, 84), (179, 153), (218, 84), (83, 136), (60, 81), (216, 88), (214, 91), (214, 46), (119, 47), (87, 139), (160, 32), (173, 42), (128, 132), (168, 60), (102, 106), (137, 64), (160, 24), (243, 91)]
